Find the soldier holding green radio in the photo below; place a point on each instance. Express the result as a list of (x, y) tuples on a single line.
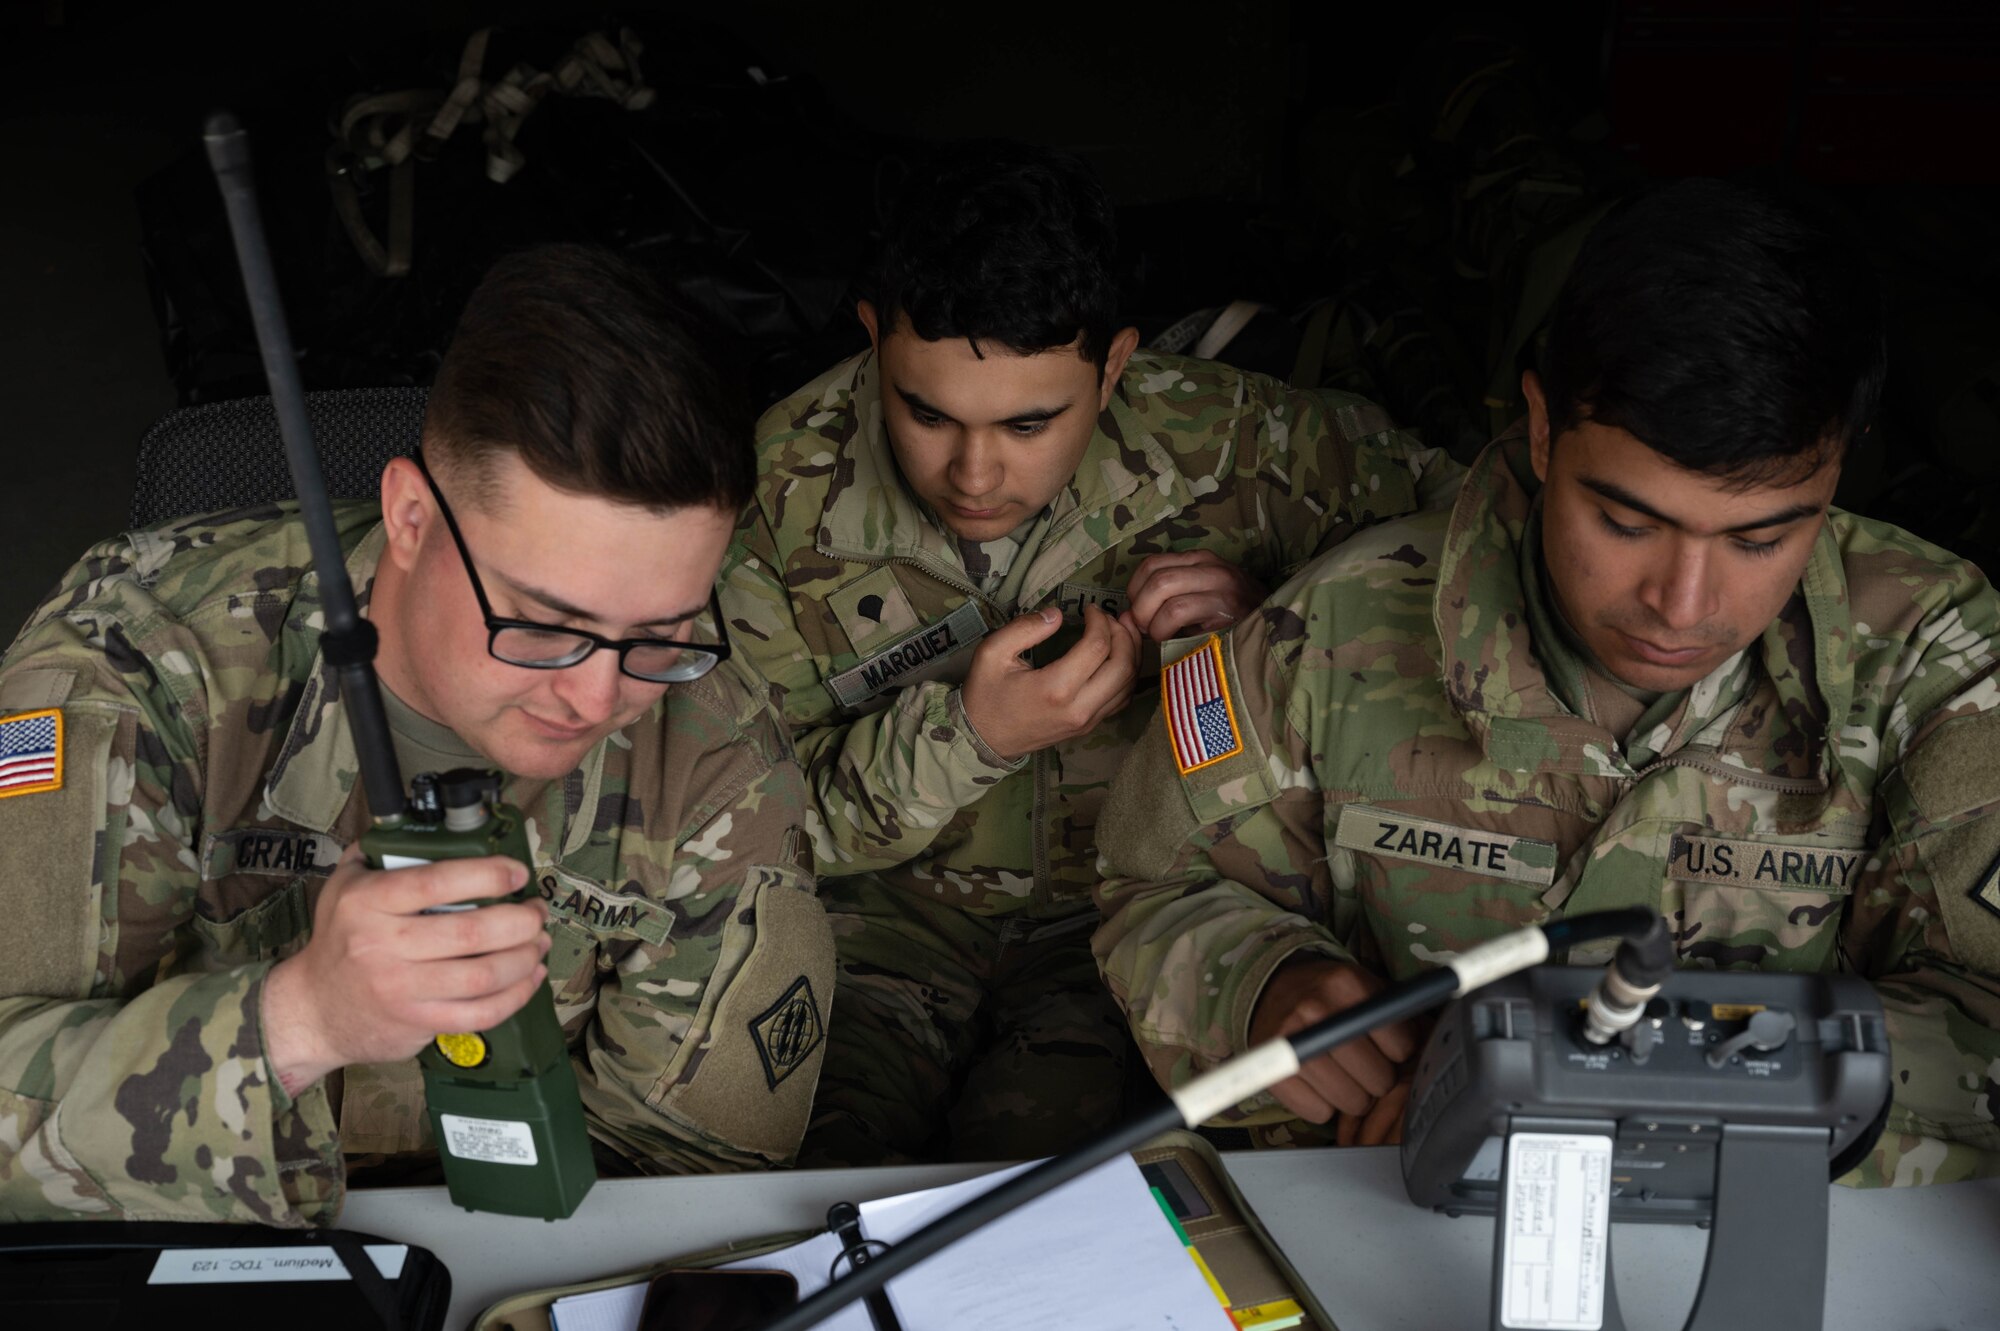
[(215, 1016)]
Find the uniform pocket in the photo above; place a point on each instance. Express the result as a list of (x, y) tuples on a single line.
[(745, 1074), (590, 930), (271, 930), (1772, 905), (39, 1180)]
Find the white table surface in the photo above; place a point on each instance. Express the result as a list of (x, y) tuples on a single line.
[(1925, 1259)]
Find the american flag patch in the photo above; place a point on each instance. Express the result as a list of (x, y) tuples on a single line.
[(1200, 721), (31, 753)]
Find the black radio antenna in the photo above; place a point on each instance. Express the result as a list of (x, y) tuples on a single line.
[(348, 640)]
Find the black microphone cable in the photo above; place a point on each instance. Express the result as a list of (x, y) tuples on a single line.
[(1224, 1087)]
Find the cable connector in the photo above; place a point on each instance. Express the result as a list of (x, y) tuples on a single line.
[(1638, 969)]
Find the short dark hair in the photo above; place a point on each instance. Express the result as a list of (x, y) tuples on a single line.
[(596, 374), (1002, 242), (1722, 327)]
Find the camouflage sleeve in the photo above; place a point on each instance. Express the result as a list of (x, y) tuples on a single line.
[(1924, 924), (1219, 874), (703, 1047), (132, 1084), (1334, 462), (880, 787)]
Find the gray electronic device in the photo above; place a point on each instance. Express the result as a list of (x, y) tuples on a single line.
[(1729, 1103)]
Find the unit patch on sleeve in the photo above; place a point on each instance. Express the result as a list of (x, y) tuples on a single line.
[(1201, 723), (787, 1032), (31, 752)]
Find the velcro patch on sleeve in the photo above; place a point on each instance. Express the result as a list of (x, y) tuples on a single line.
[(31, 752), (1986, 891), (1200, 717), (1957, 769), (52, 847), (1964, 861)]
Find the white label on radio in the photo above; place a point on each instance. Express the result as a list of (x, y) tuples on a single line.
[(497, 1141)]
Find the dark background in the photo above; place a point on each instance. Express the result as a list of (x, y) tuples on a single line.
[(1410, 173)]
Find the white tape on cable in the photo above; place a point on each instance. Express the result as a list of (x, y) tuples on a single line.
[(1235, 1081), (1501, 957)]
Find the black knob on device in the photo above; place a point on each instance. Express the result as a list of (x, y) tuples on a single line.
[(466, 786), (425, 805)]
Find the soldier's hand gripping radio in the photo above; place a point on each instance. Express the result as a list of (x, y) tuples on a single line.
[(503, 1102)]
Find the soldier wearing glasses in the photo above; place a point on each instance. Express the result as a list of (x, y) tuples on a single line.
[(208, 1004)]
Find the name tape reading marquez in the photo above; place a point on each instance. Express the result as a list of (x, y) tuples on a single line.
[(910, 659)]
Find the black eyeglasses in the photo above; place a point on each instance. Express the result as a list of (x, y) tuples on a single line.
[(522, 642)]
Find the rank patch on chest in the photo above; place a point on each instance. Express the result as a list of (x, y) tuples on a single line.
[(1767, 865), (787, 1032), (873, 611), (920, 656), (31, 752), (1201, 721), (1474, 850)]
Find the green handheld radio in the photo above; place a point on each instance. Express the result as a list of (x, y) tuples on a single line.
[(503, 1103)]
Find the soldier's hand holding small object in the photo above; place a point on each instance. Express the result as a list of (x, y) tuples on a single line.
[(1190, 591), (379, 978), (1355, 1077), (1018, 709)]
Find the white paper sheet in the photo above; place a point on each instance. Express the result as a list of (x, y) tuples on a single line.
[(1097, 1251)]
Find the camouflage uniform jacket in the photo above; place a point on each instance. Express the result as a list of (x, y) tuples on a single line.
[(857, 605), (1409, 784), (209, 784)]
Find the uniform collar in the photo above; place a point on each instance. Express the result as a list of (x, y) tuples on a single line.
[(313, 780), (1493, 671), (1125, 483)]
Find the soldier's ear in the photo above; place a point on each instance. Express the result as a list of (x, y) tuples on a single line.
[(1538, 424), (407, 511), (1122, 346), (865, 311)]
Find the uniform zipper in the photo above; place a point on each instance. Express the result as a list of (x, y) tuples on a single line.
[(1042, 891), (1039, 763), (1784, 785)]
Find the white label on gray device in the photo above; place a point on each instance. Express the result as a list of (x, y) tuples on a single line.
[(1557, 1240), (236, 1266)]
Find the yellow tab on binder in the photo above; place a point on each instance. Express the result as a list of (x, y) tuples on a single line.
[(1214, 1285), (1273, 1316)]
